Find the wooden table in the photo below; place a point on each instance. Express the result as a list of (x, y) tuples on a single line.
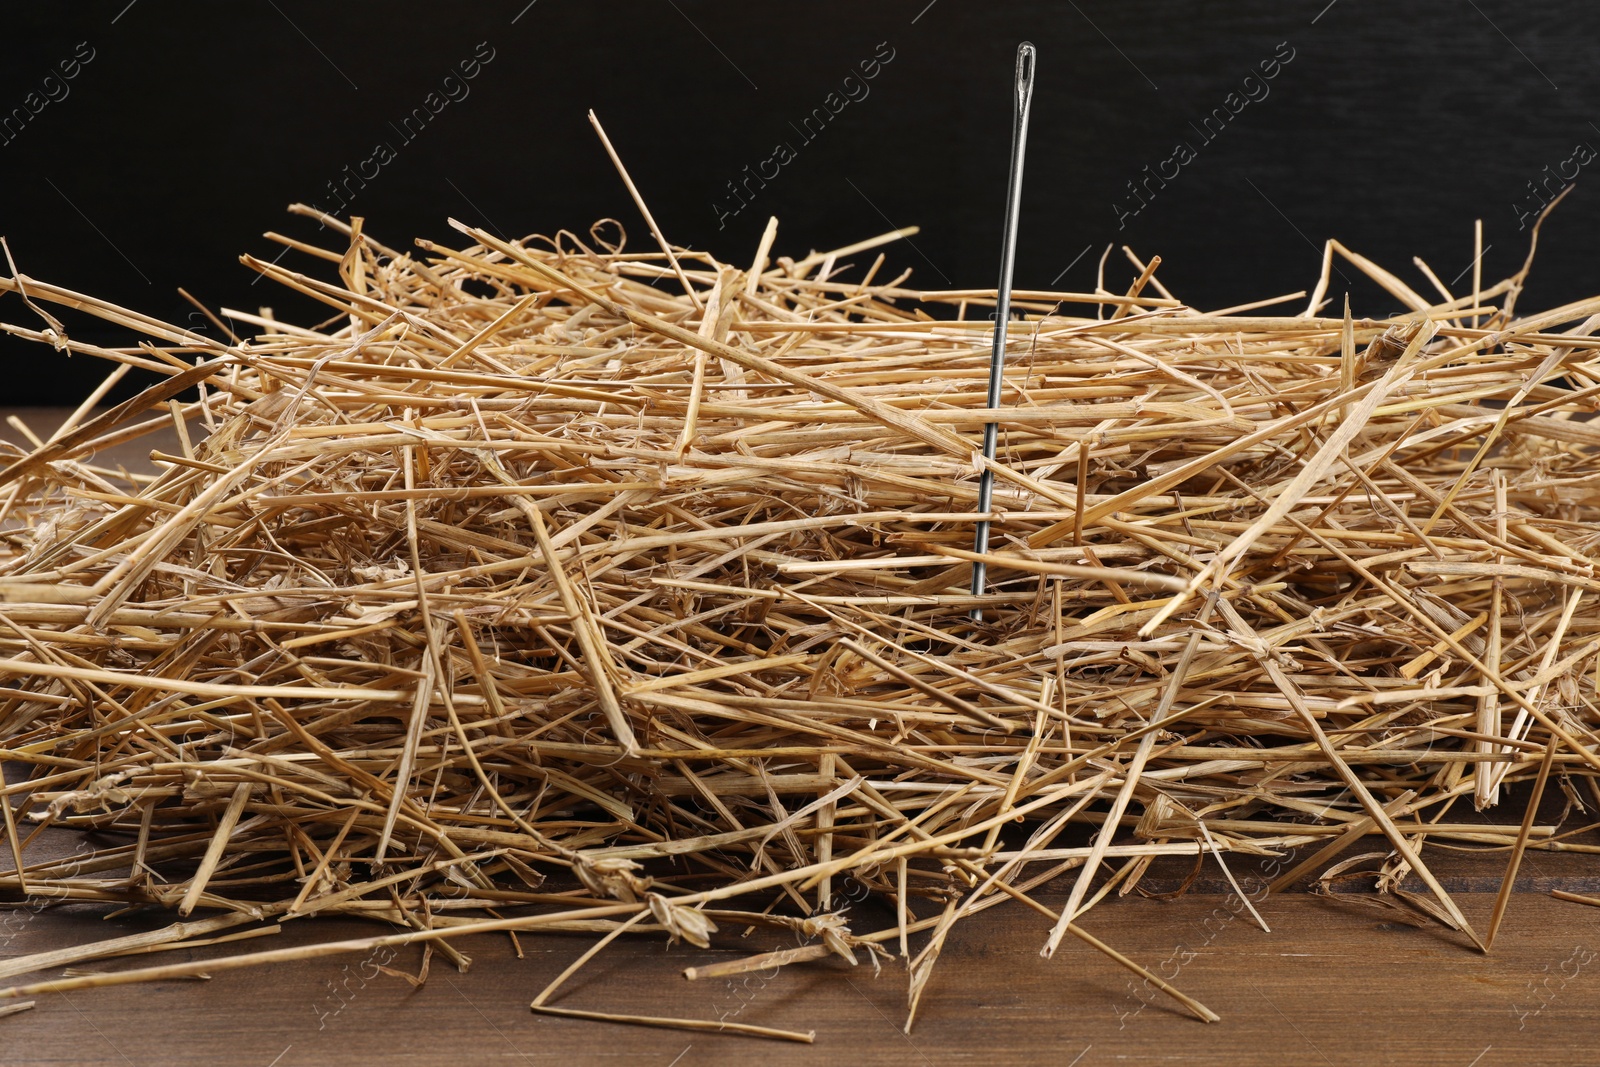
[(1335, 982)]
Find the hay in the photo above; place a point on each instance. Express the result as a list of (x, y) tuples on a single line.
[(649, 573)]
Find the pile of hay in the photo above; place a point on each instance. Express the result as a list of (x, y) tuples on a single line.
[(650, 573)]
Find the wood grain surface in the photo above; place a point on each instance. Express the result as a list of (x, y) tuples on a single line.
[(1334, 983)]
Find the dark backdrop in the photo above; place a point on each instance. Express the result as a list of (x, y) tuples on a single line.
[(186, 127)]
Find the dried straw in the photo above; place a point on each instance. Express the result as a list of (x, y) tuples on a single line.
[(647, 572)]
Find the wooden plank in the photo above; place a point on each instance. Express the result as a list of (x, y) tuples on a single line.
[(1335, 982)]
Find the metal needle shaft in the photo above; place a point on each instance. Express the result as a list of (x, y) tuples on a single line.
[(1002, 309)]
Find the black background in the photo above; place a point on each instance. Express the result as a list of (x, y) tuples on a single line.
[(1392, 129)]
